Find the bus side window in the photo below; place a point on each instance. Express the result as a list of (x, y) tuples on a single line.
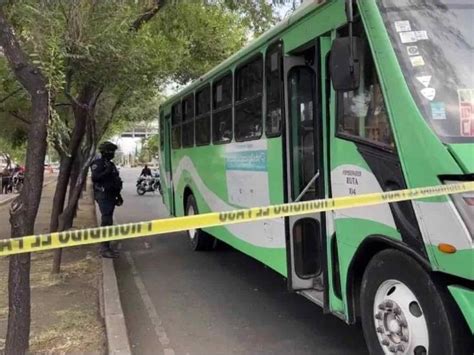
[(274, 90), (162, 130), (176, 117), (188, 121), (222, 110), (362, 113), (248, 100), (203, 116)]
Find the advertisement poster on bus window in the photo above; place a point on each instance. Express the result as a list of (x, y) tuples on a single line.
[(466, 112)]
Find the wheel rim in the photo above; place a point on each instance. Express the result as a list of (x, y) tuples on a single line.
[(191, 232), (400, 322)]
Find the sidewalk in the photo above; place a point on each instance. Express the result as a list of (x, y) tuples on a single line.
[(5, 198), (44, 213), (65, 308)]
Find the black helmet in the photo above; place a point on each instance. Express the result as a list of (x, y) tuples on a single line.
[(107, 147)]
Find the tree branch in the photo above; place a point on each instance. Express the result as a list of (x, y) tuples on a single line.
[(28, 75), (146, 16), (15, 114), (94, 100), (115, 108), (20, 117), (57, 146), (62, 104), (10, 95), (67, 91)]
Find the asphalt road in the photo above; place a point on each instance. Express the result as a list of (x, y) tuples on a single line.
[(181, 302)]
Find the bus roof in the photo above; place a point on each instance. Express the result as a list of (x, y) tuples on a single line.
[(306, 8)]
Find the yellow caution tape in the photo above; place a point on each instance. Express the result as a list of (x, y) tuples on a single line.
[(42, 242)]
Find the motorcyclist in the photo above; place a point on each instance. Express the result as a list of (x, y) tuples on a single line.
[(144, 175), (107, 188), (146, 171)]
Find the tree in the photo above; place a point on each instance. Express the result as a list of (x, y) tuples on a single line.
[(24, 209), (153, 145), (14, 107), (126, 52), (86, 55), (77, 58)]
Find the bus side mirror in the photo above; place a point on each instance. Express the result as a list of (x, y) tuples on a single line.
[(344, 64)]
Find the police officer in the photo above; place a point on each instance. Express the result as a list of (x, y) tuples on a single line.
[(107, 188)]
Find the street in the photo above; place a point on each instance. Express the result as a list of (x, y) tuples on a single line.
[(221, 302), (332, 141)]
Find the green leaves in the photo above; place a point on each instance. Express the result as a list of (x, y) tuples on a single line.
[(89, 42)]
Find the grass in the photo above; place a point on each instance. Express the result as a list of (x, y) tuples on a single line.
[(76, 329), (65, 312)]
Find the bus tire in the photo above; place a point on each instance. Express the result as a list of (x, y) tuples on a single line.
[(200, 240), (404, 311)]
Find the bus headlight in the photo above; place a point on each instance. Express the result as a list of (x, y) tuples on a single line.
[(464, 203)]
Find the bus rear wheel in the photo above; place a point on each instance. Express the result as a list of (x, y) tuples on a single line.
[(200, 240), (404, 311)]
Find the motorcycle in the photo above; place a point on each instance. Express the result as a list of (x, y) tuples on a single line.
[(148, 184)]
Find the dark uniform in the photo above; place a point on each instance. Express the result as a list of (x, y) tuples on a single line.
[(146, 171), (107, 188)]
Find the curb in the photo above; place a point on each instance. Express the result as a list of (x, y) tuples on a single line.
[(116, 329), (10, 199)]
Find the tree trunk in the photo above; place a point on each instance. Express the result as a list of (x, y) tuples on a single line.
[(25, 208), (67, 217), (9, 160), (72, 179), (66, 164), (83, 113), (75, 172)]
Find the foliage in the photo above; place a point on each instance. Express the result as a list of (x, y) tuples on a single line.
[(16, 151), (153, 145), (76, 42), (150, 148), (14, 105)]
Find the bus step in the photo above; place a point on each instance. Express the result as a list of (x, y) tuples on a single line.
[(314, 296)]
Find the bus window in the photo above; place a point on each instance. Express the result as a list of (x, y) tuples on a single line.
[(301, 106), (203, 116), (162, 130), (362, 113), (274, 89), (188, 121), (222, 110), (248, 100), (176, 116)]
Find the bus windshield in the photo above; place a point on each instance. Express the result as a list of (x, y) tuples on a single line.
[(434, 43)]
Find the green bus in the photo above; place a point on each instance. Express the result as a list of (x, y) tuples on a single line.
[(343, 98)]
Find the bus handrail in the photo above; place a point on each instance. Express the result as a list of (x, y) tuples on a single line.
[(311, 182)]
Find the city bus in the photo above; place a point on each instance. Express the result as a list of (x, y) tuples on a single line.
[(343, 98)]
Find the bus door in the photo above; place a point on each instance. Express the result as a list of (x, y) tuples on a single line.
[(304, 171), (168, 165)]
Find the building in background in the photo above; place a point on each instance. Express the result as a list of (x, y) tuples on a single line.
[(131, 142)]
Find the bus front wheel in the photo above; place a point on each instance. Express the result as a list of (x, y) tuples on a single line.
[(199, 239), (404, 311)]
